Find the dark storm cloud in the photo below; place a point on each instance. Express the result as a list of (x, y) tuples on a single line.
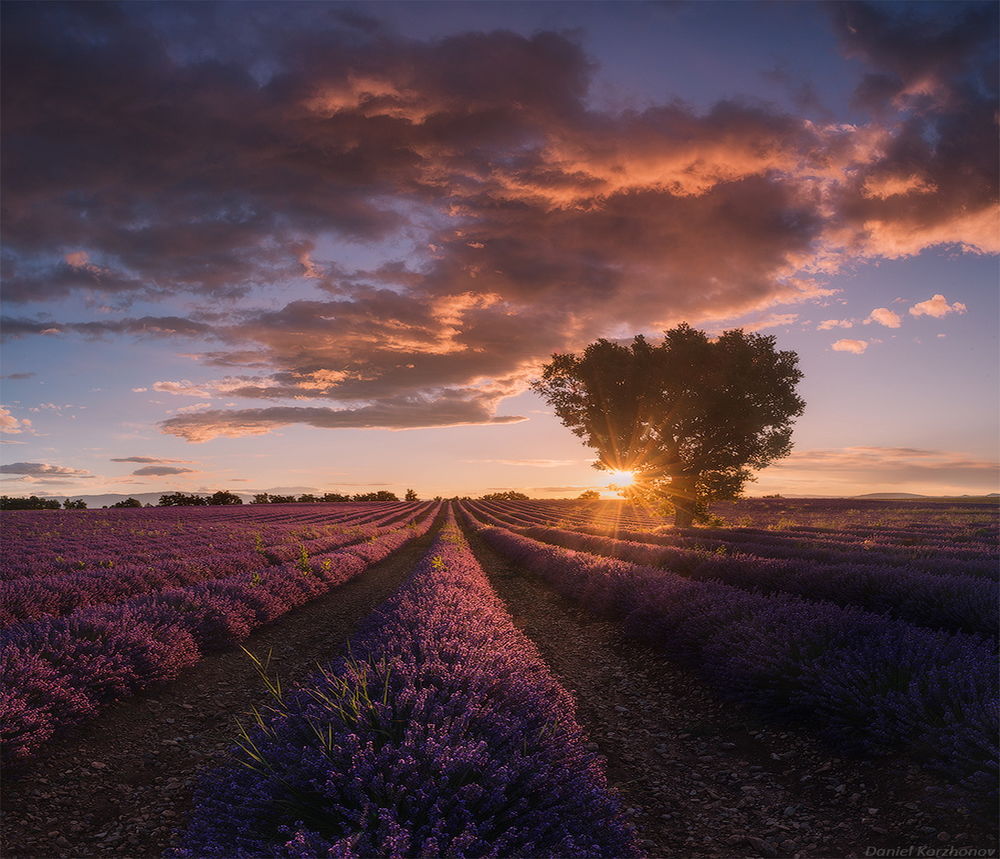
[(212, 148), (934, 177)]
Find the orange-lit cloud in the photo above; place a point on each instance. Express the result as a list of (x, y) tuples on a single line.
[(884, 316), (449, 409), (856, 347), (829, 324), (43, 469), (936, 306), (858, 469), (11, 424), (530, 463), (521, 219)]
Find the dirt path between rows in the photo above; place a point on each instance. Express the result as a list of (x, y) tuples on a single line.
[(121, 784), (703, 778)]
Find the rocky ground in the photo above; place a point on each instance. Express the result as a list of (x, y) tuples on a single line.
[(699, 778)]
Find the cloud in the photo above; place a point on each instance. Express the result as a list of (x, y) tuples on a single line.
[(530, 463), (145, 326), (11, 424), (42, 469), (828, 324), (183, 388), (937, 307), (446, 410), (17, 376), (884, 316), (161, 470), (772, 320), (148, 459), (524, 220), (913, 469), (857, 347)]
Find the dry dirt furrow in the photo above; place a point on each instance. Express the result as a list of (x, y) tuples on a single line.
[(121, 784), (702, 778)]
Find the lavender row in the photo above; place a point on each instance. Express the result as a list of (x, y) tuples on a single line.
[(976, 527), (865, 682), (442, 734), (28, 598), (60, 671), (74, 541), (940, 602), (937, 556)]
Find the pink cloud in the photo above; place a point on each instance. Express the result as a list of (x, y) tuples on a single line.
[(42, 469), (856, 347), (884, 316), (11, 424), (183, 388), (937, 307), (828, 324)]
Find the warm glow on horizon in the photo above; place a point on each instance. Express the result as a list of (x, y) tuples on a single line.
[(621, 479)]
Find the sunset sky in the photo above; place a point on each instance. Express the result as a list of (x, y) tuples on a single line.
[(325, 247)]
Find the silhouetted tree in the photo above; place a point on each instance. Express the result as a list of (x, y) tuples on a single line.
[(261, 498), (224, 497), (411, 495), (381, 495), (32, 502), (282, 499), (590, 495), (181, 499), (307, 498), (504, 496), (79, 504), (128, 502), (692, 417), (335, 498)]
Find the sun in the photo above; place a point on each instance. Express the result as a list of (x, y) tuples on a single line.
[(621, 479)]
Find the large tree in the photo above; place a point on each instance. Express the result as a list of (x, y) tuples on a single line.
[(691, 417)]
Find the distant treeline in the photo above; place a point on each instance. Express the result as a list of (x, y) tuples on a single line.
[(190, 499), (32, 503), (332, 498)]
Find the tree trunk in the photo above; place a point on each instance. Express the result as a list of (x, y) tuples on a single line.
[(682, 496)]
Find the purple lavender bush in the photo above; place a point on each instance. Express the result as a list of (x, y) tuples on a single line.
[(441, 733), (866, 683), (959, 603), (59, 671)]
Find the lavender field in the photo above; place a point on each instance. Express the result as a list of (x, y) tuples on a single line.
[(452, 714)]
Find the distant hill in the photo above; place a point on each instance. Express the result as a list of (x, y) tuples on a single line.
[(892, 495)]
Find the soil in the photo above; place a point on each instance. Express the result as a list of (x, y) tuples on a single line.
[(702, 777), (122, 784)]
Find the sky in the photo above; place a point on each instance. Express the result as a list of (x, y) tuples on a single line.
[(306, 247)]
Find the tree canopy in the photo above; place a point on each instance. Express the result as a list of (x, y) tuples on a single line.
[(128, 502), (33, 502), (692, 417), (509, 495)]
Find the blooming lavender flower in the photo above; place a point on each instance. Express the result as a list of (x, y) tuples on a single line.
[(866, 682), (441, 733), (60, 670)]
